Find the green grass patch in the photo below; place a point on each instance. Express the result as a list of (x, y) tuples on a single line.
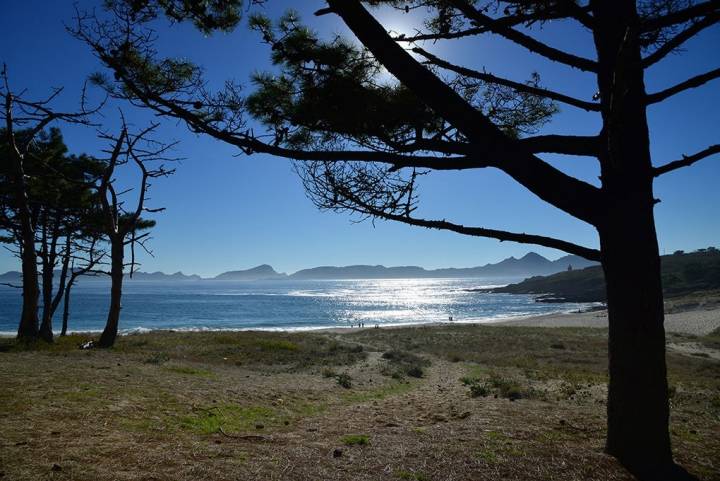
[(394, 388), (356, 440), (230, 418)]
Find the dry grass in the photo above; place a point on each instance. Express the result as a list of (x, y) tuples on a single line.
[(262, 406)]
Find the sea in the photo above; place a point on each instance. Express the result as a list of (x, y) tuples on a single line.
[(286, 304)]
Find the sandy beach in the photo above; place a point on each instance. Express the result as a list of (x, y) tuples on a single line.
[(698, 321)]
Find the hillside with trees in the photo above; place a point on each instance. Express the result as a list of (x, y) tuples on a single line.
[(681, 274)]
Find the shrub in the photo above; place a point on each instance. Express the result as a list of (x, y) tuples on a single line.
[(479, 390), (414, 371), (158, 358), (344, 380), (401, 363)]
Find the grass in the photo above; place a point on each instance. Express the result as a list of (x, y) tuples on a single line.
[(356, 440), (251, 406), (231, 418)]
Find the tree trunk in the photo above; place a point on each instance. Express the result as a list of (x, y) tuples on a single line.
[(28, 329), (48, 265), (638, 409), (46, 333), (66, 306), (107, 339), (55, 301)]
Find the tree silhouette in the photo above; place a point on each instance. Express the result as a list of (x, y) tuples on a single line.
[(364, 142), (120, 224), (24, 147)]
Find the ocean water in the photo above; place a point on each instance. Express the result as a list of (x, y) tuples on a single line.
[(285, 305)]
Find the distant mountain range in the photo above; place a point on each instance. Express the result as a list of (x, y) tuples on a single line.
[(531, 264)]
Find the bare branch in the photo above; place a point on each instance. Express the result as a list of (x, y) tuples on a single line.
[(675, 42), (690, 83), (523, 40), (686, 160), (517, 86), (523, 238), (681, 16)]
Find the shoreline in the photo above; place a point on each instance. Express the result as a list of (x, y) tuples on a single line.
[(697, 321)]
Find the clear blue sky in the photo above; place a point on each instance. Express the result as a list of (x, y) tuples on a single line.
[(226, 211)]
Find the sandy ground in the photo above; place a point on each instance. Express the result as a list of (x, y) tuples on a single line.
[(698, 322)]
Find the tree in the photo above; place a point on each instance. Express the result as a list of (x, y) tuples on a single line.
[(62, 201), (121, 225), (364, 142), (17, 150), (89, 256)]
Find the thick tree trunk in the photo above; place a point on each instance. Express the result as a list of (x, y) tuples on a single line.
[(638, 409), (28, 328), (107, 339)]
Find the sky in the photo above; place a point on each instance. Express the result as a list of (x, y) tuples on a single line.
[(226, 211)]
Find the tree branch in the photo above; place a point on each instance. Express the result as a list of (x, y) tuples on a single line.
[(682, 16), (524, 40), (563, 144), (686, 160), (690, 83), (576, 197), (523, 238), (679, 39), (517, 86)]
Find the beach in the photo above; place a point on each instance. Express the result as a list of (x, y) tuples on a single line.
[(698, 322)]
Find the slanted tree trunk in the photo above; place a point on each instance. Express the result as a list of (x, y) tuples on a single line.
[(117, 253), (66, 307), (62, 285), (46, 333), (638, 408)]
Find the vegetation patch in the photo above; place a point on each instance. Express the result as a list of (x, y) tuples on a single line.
[(230, 418), (277, 345), (499, 386), (356, 440), (344, 380), (395, 388), (402, 363)]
